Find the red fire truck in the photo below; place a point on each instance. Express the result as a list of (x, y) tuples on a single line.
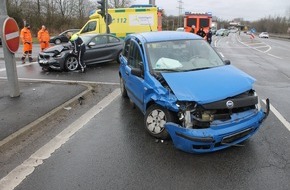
[(198, 20)]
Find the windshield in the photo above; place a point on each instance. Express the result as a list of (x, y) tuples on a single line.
[(182, 55)]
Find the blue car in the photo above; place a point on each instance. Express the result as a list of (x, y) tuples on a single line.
[(187, 92)]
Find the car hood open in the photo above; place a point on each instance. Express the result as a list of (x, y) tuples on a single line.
[(208, 85)]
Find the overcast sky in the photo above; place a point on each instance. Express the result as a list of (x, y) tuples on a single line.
[(226, 9)]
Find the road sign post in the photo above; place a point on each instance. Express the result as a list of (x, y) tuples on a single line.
[(9, 32)]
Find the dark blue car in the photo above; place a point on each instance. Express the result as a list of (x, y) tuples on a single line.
[(187, 92)]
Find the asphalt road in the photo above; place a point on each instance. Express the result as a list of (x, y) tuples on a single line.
[(110, 149)]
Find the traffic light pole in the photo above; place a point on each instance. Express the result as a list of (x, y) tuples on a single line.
[(107, 28), (9, 57)]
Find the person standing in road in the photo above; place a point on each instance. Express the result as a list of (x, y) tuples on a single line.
[(43, 38), (209, 36), (201, 33), (79, 49), (192, 29), (26, 38)]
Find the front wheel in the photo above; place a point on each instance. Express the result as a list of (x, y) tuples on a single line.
[(155, 118), (71, 63)]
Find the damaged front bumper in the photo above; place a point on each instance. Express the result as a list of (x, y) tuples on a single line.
[(216, 137)]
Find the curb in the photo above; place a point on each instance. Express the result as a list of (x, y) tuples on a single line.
[(47, 116)]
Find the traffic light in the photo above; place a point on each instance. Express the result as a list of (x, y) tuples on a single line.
[(102, 7)]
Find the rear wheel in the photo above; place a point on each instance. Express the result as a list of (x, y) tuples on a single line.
[(155, 118), (118, 57), (71, 63)]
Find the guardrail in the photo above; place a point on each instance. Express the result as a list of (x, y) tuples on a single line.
[(283, 36)]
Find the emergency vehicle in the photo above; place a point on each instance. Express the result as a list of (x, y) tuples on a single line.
[(126, 21), (198, 20)]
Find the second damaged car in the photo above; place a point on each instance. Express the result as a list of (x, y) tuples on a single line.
[(100, 48), (188, 93)]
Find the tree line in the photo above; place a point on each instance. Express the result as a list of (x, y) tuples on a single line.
[(60, 15), (56, 15)]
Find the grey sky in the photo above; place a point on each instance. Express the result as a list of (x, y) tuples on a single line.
[(226, 9)]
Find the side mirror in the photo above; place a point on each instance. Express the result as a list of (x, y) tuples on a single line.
[(137, 72), (227, 62), (91, 44)]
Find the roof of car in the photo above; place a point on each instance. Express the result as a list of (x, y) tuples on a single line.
[(164, 36), (94, 34)]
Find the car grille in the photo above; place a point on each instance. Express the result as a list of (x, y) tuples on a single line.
[(44, 56), (220, 110)]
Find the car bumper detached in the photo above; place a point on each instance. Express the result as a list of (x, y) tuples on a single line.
[(216, 137)]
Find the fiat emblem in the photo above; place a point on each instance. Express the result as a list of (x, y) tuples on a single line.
[(230, 104)]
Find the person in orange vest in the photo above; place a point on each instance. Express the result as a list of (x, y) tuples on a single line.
[(26, 38), (43, 38)]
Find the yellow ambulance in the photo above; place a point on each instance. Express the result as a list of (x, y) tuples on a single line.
[(125, 21)]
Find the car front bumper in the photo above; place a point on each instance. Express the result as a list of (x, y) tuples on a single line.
[(216, 137), (51, 62)]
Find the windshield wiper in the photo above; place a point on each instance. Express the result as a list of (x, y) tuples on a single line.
[(170, 70), (196, 69)]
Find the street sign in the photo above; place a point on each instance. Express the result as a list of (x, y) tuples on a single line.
[(11, 34)]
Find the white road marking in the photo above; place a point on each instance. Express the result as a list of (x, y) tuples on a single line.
[(62, 81), (274, 56), (279, 116), (23, 65), (256, 48), (17, 175), (221, 54)]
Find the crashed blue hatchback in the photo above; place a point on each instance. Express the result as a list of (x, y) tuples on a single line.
[(187, 92)]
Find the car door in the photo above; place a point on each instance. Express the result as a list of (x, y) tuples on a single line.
[(97, 50), (115, 46), (135, 84)]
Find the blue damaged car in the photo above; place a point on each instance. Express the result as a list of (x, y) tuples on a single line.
[(187, 92)]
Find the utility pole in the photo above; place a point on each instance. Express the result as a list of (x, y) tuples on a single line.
[(152, 2), (180, 2)]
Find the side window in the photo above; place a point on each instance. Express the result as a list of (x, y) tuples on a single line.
[(91, 26), (100, 40), (126, 49), (113, 39), (135, 57)]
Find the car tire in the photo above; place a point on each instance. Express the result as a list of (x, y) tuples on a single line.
[(71, 63), (57, 41), (118, 57), (123, 89), (154, 120)]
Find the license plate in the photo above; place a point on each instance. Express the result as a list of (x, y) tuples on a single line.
[(43, 61)]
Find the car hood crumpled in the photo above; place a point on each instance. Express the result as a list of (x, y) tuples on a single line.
[(52, 49), (208, 85)]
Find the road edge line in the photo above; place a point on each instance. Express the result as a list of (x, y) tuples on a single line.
[(279, 116), (18, 174)]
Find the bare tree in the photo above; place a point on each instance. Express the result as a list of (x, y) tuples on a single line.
[(119, 3)]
